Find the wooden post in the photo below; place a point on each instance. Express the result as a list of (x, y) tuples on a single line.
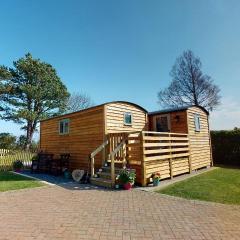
[(124, 156), (92, 166), (170, 160), (104, 152), (143, 165), (112, 170), (189, 158)]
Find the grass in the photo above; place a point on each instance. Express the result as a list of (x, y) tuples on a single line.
[(221, 185), (11, 181)]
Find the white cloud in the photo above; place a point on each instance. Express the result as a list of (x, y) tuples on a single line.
[(227, 116)]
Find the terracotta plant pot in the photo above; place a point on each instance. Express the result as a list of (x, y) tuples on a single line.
[(127, 186)]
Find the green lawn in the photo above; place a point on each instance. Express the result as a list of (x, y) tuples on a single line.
[(11, 181), (220, 185)]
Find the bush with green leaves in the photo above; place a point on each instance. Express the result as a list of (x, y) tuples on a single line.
[(127, 176), (226, 147), (18, 164)]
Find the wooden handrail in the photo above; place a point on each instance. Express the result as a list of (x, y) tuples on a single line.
[(99, 149), (162, 133), (112, 154), (94, 153)]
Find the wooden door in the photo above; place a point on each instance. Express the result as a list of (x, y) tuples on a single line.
[(162, 123)]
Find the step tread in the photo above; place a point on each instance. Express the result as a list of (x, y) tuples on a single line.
[(99, 179), (109, 168)]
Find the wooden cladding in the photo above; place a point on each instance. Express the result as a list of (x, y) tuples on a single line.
[(199, 140), (150, 152), (115, 122), (171, 153), (86, 133), (166, 153)]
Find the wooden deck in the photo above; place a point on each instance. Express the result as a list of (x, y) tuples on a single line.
[(147, 152)]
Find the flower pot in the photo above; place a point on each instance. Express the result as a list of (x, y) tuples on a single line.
[(67, 175), (127, 186), (156, 181), (18, 170)]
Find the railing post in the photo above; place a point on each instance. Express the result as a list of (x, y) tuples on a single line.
[(143, 165), (124, 155), (170, 160), (189, 157), (92, 166), (112, 170)]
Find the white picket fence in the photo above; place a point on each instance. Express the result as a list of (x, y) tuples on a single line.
[(3, 152), (7, 157)]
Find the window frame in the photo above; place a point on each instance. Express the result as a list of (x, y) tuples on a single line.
[(197, 122), (64, 121), (124, 118), (160, 116)]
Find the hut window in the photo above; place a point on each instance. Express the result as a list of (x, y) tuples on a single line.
[(128, 118), (64, 126), (197, 122)]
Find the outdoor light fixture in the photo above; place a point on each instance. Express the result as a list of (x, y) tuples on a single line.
[(177, 118)]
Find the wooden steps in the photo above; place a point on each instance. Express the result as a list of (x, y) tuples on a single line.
[(104, 177), (102, 182)]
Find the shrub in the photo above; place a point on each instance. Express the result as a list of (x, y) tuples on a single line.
[(127, 176), (226, 147), (17, 164)]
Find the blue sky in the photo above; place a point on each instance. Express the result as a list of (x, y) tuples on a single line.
[(124, 50)]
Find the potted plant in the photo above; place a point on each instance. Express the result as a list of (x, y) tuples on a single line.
[(17, 165), (127, 178), (156, 178)]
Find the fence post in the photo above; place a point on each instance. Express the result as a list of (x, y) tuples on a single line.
[(170, 160), (189, 158), (143, 164), (112, 170)]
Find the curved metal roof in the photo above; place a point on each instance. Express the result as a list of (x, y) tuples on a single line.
[(176, 109), (130, 103), (66, 114)]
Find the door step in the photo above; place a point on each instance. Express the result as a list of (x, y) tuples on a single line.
[(103, 182), (105, 175)]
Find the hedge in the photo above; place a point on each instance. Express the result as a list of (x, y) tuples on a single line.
[(226, 147)]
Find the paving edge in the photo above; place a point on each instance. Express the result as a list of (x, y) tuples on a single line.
[(35, 178), (175, 180)]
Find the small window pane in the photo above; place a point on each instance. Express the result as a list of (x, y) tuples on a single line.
[(61, 127), (128, 118), (197, 122), (64, 126)]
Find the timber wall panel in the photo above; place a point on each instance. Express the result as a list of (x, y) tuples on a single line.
[(115, 118), (179, 126), (86, 133), (200, 148), (166, 153)]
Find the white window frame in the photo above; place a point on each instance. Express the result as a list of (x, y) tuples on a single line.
[(65, 130), (197, 122), (124, 116)]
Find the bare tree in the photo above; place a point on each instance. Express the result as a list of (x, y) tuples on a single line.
[(78, 101), (189, 85)]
